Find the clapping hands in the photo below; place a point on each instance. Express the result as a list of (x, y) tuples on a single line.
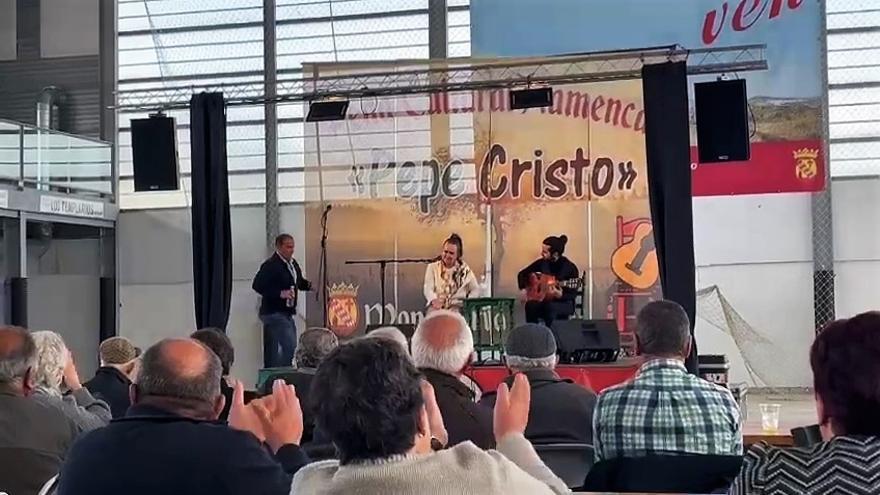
[(275, 419), (512, 407)]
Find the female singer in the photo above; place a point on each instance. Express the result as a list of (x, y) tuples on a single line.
[(449, 280)]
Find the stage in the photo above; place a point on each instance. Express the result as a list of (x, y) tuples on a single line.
[(596, 377)]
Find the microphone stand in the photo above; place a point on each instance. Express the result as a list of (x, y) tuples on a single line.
[(383, 263), (323, 263)]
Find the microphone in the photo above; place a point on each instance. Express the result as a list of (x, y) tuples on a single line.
[(328, 207)]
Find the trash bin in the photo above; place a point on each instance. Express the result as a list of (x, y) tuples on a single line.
[(714, 368)]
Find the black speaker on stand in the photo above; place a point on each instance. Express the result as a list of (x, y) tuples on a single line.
[(154, 154), (722, 110)]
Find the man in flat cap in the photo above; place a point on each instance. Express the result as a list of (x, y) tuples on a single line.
[(561, 410), (113, 378)]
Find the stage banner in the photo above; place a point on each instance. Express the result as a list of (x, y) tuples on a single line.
[(390, 183), (785, 101), (401, 174), (576, 168)]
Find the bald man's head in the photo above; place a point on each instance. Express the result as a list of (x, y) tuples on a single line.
[(180, 369), (443, 342), (18, 353)]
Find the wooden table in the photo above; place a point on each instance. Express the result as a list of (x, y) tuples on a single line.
[(753, 433)]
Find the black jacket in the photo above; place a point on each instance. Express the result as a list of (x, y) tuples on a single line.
[(111, 386), (34, 439), (562, 269), (151, 451), (301, 379), (464, 419), (561, 411), (274, 277)]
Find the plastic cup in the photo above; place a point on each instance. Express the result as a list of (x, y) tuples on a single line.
[(770, 416)]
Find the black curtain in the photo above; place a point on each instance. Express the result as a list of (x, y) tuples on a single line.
[(667, 141), (211, 235)]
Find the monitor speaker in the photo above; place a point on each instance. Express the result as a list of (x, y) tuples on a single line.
[(722, 121), (154, 154), (586, 341)]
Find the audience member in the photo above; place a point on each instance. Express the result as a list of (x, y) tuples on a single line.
[(34, 438), (217, 340), (393, 334), (664, 409), (845, 359), (170, 441), (55, 367), (561, 411), (384, 419), (442, 347), (314, 345), (113, 379)]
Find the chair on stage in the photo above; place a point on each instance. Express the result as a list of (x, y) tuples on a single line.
[(570, 461), (665, 474)]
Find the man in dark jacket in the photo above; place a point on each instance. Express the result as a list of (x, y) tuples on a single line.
[(34, 438), (279, 281), (558, 303), (217, 340), (441, 348), (170, 441), (112, 380), (561, 410)]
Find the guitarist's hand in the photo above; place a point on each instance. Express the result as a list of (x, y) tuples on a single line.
[(555, 292)]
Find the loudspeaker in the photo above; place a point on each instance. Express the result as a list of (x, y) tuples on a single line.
[(586, 341), (531, 98), (154, 154), (722, 121)]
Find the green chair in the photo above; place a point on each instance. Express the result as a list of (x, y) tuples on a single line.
[(490, 319)]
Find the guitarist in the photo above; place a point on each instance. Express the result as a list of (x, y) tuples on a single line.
[(559, 303), (279, 281)]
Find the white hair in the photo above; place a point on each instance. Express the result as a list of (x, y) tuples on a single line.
[(450, 359), (391, 333), (520, 363), (48, 372)]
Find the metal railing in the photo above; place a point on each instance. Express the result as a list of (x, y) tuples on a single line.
[(49, 160)]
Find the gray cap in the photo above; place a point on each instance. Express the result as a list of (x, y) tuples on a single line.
[(531, 341)]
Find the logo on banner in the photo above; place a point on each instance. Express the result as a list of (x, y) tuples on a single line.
[(806, 166), (342, 309)]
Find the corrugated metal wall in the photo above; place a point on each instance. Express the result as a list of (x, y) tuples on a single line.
[(21, 80)]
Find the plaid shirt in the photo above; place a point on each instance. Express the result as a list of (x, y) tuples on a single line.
[(666, 410)]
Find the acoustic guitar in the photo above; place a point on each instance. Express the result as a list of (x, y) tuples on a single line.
[(636, 261), (541, 285)]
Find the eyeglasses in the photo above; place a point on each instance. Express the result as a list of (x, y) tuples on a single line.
[(452, 253)]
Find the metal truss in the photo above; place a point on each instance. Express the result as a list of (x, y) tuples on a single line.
[(362, 79)]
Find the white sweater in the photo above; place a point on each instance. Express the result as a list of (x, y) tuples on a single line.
[(434, 283), (513, 469)]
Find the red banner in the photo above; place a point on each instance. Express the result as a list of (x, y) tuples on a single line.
[(781, 166)]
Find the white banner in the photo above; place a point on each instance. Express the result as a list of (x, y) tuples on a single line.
[(73, 207)]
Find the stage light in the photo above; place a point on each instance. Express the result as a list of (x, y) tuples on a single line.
[(324, 111), (531, 98)]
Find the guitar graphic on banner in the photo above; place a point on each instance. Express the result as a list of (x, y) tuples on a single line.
[(635, 262)]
